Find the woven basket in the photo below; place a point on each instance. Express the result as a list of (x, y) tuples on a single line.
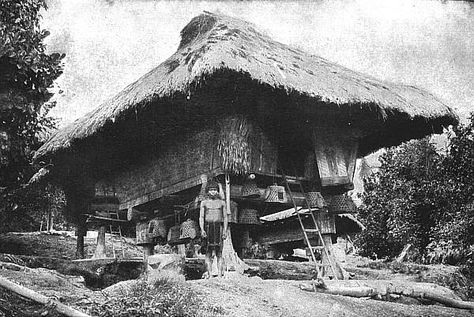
[(130, 214), (142, 233), (249, 216), (315, 200), (276, 194), (189, 229), (157, 228), (341, 204), (250, 190), (173, 234)]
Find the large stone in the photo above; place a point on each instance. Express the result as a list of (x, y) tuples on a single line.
[(167, 262)]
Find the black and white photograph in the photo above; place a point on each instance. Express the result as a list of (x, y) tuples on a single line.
[(264, 158)]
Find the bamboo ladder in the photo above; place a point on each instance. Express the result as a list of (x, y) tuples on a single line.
[(319, 266), (116, 230)]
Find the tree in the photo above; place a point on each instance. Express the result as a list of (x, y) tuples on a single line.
[(396, 200), (27, 72), (424, 198)]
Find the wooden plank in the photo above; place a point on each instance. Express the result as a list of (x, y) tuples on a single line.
[(336, 155)]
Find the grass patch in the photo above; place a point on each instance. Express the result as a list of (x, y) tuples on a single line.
[(162, 294)]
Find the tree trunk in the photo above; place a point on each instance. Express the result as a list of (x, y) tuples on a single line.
[(51, 221), (100, 248), (401, 257), (328, 259), (232, 261), (30, 294), (381, 289)]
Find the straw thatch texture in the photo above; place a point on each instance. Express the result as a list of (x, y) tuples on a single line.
[(213, 43)]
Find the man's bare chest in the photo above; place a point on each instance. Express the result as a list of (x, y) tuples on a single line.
[(214, 204)]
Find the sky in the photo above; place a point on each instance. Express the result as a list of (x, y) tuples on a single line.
[(110, 44)]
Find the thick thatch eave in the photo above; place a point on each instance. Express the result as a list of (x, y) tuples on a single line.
[(213, 43)]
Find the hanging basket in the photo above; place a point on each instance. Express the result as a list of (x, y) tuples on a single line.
[(157, 228), (148, 232), (276, 194), (315, 200), (249, 216), (174, 234), (189, 230), (142, 233), (250, 190), (340, 204)]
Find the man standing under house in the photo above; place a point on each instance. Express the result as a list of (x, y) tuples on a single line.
[(213, 222)]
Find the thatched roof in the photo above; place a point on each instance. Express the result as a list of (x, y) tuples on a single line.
[(212, 43)]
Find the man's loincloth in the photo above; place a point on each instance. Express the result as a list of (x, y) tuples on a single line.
[(214, 236)]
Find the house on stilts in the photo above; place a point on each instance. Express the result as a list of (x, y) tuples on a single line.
[(236, 106)]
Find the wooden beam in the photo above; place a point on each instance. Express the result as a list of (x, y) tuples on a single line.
[(235, 191), (177, 187)]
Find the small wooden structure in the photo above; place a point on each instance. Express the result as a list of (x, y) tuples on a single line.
[(282, 232), (229, 103)]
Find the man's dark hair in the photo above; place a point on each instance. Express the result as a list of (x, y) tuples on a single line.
[(212, 185)]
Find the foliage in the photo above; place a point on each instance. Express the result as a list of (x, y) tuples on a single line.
[(424, 198), (28, 71), (37, 203), (163, 297)]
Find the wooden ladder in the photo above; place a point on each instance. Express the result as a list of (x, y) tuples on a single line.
[(116, 229), (310, 211)]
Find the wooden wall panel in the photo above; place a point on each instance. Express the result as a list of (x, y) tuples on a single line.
[(263, 153)]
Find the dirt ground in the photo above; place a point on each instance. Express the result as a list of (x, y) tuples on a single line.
[(271, 298), (237, 295)]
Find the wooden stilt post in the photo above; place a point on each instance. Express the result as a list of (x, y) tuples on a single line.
[(81, 230), (148, 249), (100, 247)]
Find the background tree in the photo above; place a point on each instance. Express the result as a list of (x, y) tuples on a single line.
[(424, 198), (27, 72)]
